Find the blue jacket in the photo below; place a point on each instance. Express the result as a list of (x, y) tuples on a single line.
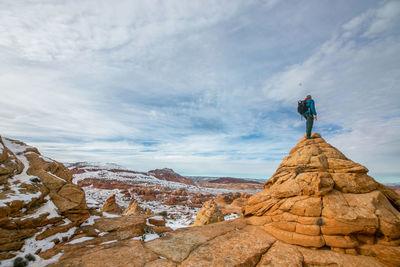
[(311, 107)]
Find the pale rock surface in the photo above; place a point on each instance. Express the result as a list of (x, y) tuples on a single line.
[(118, 254), (281, 254), (177, 245), (235, 248), (209, 213)]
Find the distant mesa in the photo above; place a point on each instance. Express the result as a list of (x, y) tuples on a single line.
[(229, 180), (169, 175)]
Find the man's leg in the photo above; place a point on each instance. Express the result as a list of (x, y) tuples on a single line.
[(309, 125)]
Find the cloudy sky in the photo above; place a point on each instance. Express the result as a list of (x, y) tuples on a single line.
[(203, 87)]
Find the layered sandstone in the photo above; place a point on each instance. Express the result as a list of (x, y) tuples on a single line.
[(302, 206), (232, 202), (37, 198), (320, 198), (209, 213), (111, 206), (134, 209)]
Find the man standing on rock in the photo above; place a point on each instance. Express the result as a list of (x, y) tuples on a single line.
[(310, 114)]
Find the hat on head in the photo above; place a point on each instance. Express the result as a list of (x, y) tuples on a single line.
[(308, 96)]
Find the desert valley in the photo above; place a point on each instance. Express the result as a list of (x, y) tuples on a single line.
[(318, 209)]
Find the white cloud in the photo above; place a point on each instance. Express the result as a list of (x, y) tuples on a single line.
[(355, 85), (386, 17)]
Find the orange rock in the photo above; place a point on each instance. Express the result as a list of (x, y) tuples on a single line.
[(281, 254), (117, 254), (134, 209), (110, 206), (236, 248), (319, 197), (157, 220), (209, 213)]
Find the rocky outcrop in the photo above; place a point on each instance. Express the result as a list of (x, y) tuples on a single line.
[(111, 206), (37, 199), (232, 202), (320, 198), (209, 213), (134, 209), (307, 215)]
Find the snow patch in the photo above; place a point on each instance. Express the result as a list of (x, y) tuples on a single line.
[(108, 242), (32, 245), (147, 237), (109, 215), (80, 240), (157, 218), (48, 207), (22, 178), (42, 262), (231, 216), (90, 221)]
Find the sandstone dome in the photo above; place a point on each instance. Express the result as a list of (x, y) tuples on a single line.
[(319, 198)]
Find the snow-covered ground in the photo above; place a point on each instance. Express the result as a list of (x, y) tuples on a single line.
[(177, 215), (22, 178)]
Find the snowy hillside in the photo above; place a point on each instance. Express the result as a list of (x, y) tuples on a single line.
[(179, 200)]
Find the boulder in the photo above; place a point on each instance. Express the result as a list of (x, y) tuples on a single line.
[(134, 209), (110, 206), (209, 213)]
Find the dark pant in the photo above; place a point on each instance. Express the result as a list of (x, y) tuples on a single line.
[(309, 124)]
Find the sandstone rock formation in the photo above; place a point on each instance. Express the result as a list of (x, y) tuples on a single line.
[(134, 209), (232, 202), (111, 206), (209, 213), (320, 198), (37, 198), (309, 201)]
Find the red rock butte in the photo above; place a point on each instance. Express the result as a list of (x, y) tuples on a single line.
[(319, 198)]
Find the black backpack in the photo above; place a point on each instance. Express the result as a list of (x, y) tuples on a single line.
[(301, 107)]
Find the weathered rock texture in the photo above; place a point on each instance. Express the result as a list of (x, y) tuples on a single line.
[(209, 213), (134, 209), (319, 209), (232, 202), (111, 206), (36, 196), (320, 198)]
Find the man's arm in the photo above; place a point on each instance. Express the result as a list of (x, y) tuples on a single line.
[(312, 107)]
